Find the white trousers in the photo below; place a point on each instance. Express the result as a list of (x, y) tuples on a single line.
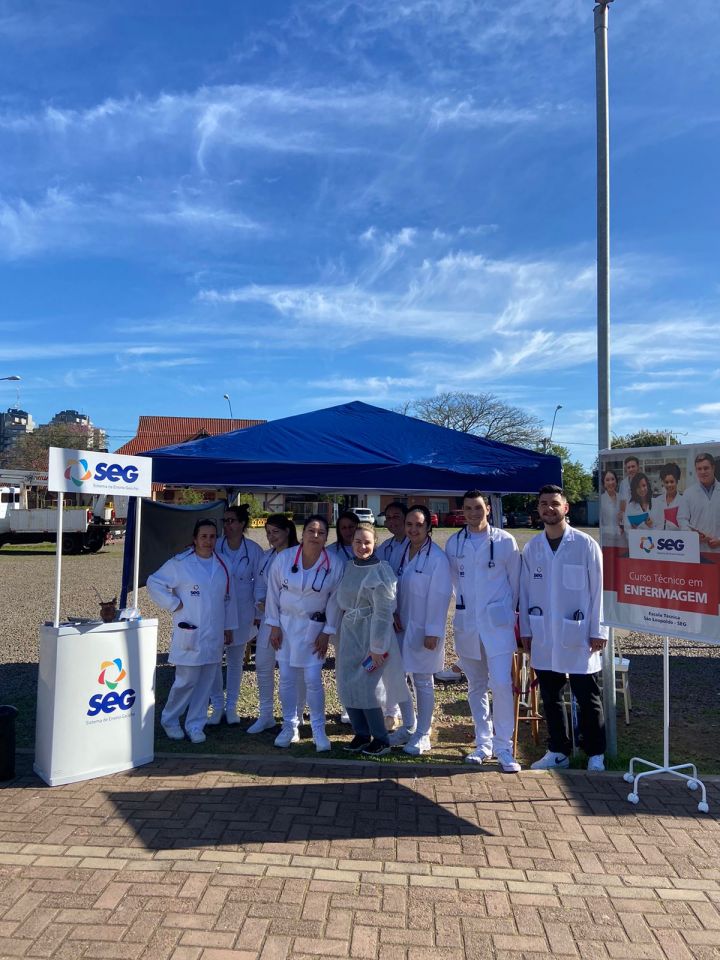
[(235, 658), (191, 689), (265, 675), (424, 685), (494, 673), (291, 684)]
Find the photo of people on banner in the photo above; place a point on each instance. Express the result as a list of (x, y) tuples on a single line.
[(660, 537)]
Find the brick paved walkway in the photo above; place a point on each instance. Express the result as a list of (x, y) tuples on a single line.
[(214, 858)]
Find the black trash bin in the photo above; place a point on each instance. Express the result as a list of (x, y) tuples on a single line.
[(7, 742)]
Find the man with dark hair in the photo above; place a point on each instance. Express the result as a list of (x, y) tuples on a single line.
[(485, 567), (700, 504), (632, 467), (560, 614)]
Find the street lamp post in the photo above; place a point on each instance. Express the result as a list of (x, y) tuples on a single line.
[(226, 397), (603, 309), (13, 377), (548, 440)]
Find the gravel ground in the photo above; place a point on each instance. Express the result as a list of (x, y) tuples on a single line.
[(27, 578)]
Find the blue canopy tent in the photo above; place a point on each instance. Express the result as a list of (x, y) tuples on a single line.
[(354, 447)]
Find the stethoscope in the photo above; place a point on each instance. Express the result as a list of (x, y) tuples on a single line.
[(271, 556), (462, 536), (245, 558), (324, 567), (418, 569), (341, 546)]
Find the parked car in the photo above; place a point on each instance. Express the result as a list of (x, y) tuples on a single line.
[(364, 514), (434, 522), (380, 520), (456, 518), (519, 518)]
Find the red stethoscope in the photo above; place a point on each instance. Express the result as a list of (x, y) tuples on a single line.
[(222, 564), (324, 567)]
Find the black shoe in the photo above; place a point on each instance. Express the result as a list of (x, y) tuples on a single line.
[(356, 744), (376, 748)]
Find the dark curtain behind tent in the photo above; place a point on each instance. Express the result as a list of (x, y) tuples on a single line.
[(166, 530)]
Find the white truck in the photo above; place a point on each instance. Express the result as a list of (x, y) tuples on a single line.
[(83, 531)]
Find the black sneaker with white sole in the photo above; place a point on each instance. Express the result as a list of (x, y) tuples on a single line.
[(376, 748), (357, 743)]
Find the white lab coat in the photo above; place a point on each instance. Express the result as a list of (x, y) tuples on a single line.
[(490, 594), (243, 565), (263, 577), (340, 553), (609, 510), (289, 605), (635, 510), (205, 593), (424, 591), (702, 513), (391, 552), (661, 520), (560, 584)]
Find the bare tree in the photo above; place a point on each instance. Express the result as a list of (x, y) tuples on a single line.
[(481, 413)]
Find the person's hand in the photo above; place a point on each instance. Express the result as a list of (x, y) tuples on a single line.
[(228, 637), (377, 658), (526, 644), (320, 647), (276, 638), (704, 538), (397, 624), (713, 541), (597, 644), (430, 642), (648, 522)]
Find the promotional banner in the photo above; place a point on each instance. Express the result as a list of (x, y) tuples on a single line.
[(90, 471), (660, 537)]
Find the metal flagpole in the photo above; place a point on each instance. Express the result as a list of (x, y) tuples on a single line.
[(603, 312), (136, 558), (58, 558)]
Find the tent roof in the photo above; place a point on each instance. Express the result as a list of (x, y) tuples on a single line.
[(354, 447)]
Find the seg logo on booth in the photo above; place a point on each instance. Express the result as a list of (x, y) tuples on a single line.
[(113, 472), (112, 673), (678, 546)]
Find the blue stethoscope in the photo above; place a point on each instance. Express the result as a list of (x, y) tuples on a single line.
[(341, 546), (462, 537), (324, 568), (427, 546), (268, 560)]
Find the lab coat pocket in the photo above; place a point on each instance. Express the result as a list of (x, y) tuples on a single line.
[(187, 639), (537, 628), (573, 576), (500, 614), (313, 631), (575, 635)]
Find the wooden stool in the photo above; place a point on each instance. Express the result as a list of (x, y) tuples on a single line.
[(526, 697)]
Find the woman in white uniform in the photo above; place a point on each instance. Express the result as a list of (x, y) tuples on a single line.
[(610, 507), (345, 529), (195, 587), (665, 508), (424, 591), (243, 558), (302, 580), (368, 663), (280, 532), (638, 512)]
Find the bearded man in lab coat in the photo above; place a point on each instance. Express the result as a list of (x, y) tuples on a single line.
[(560, 614)]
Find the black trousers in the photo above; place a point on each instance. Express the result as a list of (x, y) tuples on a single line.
[(586, 689)]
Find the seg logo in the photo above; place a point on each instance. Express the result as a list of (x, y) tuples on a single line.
[(647, 544), (78, 472), (111, 674), (668, 544)]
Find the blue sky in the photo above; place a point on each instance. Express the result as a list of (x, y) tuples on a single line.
[(300, 204)]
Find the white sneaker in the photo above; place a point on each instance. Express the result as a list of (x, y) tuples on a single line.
[(322, 744), (596, 764), (289, 734), (400, 737), (551, 761), (453, 675), (173, 731), (232, 717), (508, 763), (418, 745), (214, 719), (344, 718), (480, 754), (262, 724), (197, 736)]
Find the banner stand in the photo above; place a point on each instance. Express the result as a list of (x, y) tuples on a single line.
[(692, 780)]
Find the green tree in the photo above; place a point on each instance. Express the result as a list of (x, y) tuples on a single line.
[(644, 438), (577, 481), (253, 504), (189, 497), (483, 414), (31, 450)]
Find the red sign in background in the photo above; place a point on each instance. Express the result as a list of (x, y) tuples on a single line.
[(690, 587)]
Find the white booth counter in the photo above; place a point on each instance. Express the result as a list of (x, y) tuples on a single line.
[(96, 699)]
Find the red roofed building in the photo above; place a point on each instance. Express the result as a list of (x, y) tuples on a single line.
[(156, 432)]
